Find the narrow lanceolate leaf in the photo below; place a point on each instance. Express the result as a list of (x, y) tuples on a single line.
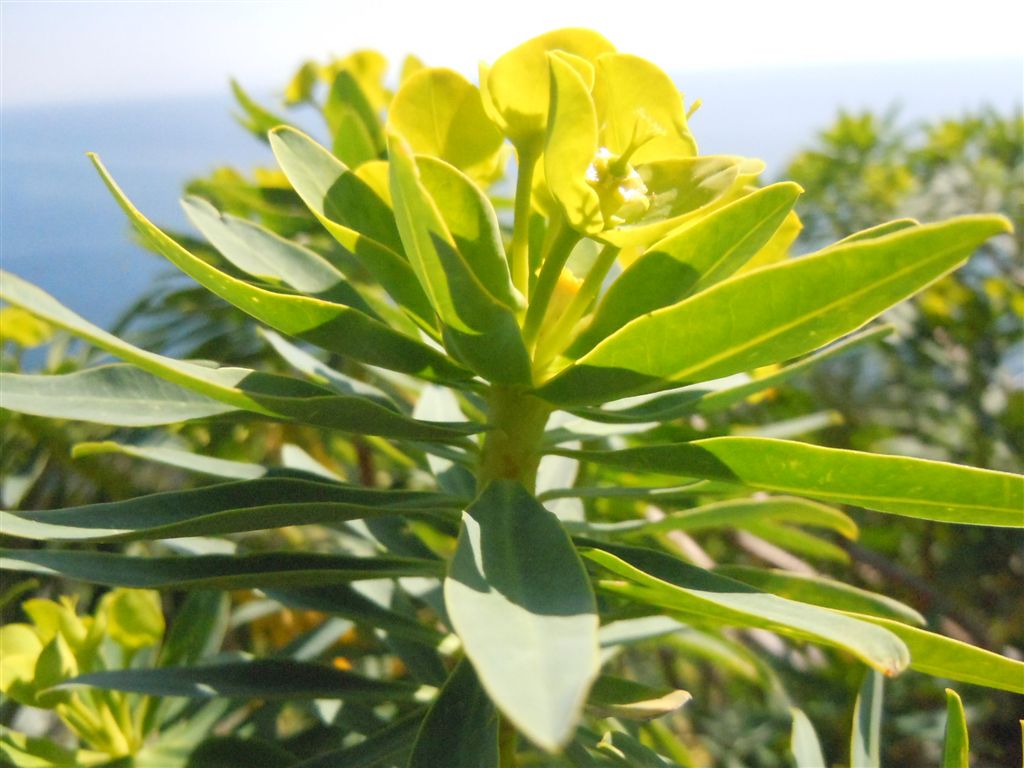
[(629, 700), (478, 330), (226, 508), (866, 738), (670, 583), (689, 260), (355, 216), (267, 394), (461, 727), (769, 315), (267, 569), (519, 599), (473, 226), (804, 743), (390, 742), (931, 490), (817, 590), (714, 396), (119, 395), (252, 679), (268, 256), (941, 656), (174, 457), (334, 327), (737, 513), (955, 748)]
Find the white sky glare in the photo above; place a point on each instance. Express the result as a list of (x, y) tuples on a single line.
[(61, 52)]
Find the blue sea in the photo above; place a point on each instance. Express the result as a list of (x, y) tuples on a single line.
[(61, 230)]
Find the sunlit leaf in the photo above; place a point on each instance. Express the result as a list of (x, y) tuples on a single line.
[(520, 601)]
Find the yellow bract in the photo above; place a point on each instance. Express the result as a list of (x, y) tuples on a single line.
[(516, 88), (440, 113)]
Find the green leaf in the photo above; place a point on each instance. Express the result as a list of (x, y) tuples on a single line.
[(930, 490), (804, 742), (388, 743), (268, 569), (334, 327), (478, 330), (940, 656), (818, 590), (880, 230), (267, 394), (355, 216), (688, 260), (461, 726), (769, 315), (353, 121), (670, 583), (473, 226), (628, 700), (626, 751), (270, 257), (224, 508), (119, 395), (714, 396), (198, 629), (738, 513), (174, 457), (441, 114), (865, 742), (323, 374), (955, 748), (251, 679), (519, 599), (254, 117), (798, 541)]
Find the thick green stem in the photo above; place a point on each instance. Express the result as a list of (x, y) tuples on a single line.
[(557, 254), (520, 252), (511, 449)]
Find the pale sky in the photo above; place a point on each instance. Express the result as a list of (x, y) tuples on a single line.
[(88, 51)]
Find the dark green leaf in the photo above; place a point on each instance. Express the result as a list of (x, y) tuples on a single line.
[(520, 600), (461, 726), (253, 679), (268, 569), (225, 508), (865, 742)]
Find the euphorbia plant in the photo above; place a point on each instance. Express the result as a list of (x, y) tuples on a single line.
[(637, 283)]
